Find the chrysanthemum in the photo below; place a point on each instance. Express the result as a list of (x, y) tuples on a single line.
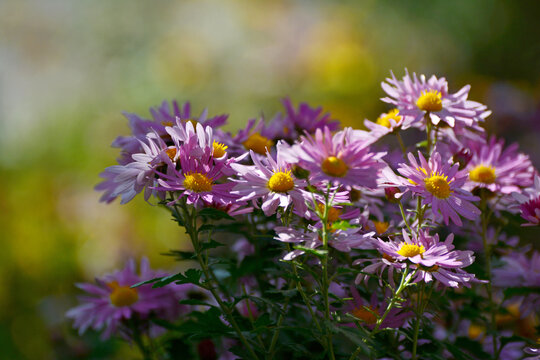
[(128, 180), (305, 119), (341, 240), (271, 181), (521, 271), (111, 301), (386, 123), (431, 258), (162, 117), (440, 186), (529, 203), (197, 180), (498, 169), (340, 159), (417, 97), (256, 136)]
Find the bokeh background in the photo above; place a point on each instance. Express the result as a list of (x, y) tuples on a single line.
[(68, 69)]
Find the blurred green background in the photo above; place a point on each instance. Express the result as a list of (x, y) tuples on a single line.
[(68, 69)]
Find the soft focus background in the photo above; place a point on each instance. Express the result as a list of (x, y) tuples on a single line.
[(68, 69)]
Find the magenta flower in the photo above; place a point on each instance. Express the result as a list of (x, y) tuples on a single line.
[(417, 97), (431, 258), (530, 205), (439, 185), (497, 169), (111, 302), (197, 180), (305, 119), (386, 123), (341, 159), (271, 181), (162, 117)]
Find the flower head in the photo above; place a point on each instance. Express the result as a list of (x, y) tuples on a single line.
[(270, 180), (305, 119), (112, 301), (341, 159), (417, 98), (440, 185), (431, 258), (498, 169)]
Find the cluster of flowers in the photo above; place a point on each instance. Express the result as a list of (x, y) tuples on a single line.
[(335, 197)]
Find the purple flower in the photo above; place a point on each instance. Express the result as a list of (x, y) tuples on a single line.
[(417, 97), (111, 301), (162, 117), (271, 181), (431, 258), (497, 169), (305, 119), (530, 205), (386, 123), (341, 159), (128, 180), (439, 185), (521, 271), (256, 137)]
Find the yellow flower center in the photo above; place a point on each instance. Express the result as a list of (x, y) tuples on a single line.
[(171, 153), (366, 314), (410, 250), (219, 149), (122, 295), (381, 226), (475, 331), (334, 166), (438, 185), (258, 143), (384, 120), (333, 213), (483, 174), (197, 182), (167, 123), (281, 182), (430, 101)]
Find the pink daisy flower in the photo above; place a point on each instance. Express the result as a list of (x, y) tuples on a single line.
[(341, 159), (271, 181), (433, 259), (386, 123), (440, 186), (498, 169), (417, 97), (128, 180), (112, 301)]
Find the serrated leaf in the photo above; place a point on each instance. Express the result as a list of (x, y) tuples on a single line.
[(191, 276), (214, 214), (212, 244)]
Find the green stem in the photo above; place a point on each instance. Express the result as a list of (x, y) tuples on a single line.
[(419, 312), (487, 249), (138, 339), (325, 283), (275, 337), (191, 228), (401, 145), (428, 133), (403, 216)]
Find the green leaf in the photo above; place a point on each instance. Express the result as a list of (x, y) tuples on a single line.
[(422, 144), (192, 276), (193, 302), (214, 214), (210, 245), (318, 253)]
